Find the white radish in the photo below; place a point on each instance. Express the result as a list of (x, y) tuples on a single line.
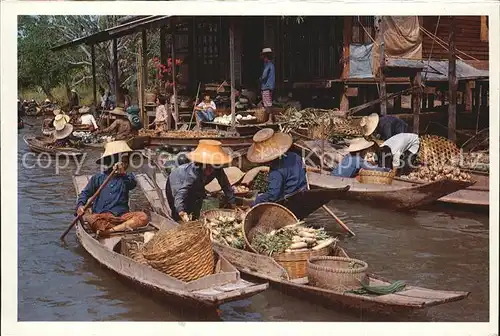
[(309, 240), (323, 243), (307, 234), (298, 245), (296, 239)]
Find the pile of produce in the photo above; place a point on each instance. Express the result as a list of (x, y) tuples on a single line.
[(224, 120), (291, 238), (89, 138), (227, 230), (260, 182), (240, 189), (436, 173), (182, 134), (476, 161), (242, 119)]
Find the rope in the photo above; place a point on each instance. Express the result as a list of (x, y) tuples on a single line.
[(441, 42), (432, 48)]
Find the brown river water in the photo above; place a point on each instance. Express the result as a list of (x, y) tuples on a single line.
[(434, 248)]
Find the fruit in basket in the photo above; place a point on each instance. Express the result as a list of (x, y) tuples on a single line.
[(240, 189)]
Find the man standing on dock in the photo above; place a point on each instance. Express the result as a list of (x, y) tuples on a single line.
[(267, 82)]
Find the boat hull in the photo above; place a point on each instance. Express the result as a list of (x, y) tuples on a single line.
[(38, 145)]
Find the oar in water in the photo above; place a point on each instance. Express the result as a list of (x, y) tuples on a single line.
[(89, 203), (330, 212)]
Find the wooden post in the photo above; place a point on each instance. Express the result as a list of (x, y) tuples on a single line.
[(115, 71), (344, 102), (383, 91), (452, 83), (397, 104), (94, 79), (346, 48), (477, 98), (469, 85), (174, 76), (144, 58), (416, 99), (231, 72)]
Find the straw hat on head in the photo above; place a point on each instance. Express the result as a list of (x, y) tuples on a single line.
[(369, 124), (210, 152), (114, 148), (359, 144), (84, 110), (47, 100), (64, 132), (118, 111), (60, 120), (268, 146), (266, 50)]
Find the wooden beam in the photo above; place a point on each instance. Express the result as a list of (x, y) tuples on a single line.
[(174, 75), (383, 90), (144, 58), (416, 99), (346, 46), (231, 73), (94, 79), (115, 71), (452, 83)]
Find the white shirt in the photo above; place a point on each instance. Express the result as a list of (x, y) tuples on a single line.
[(401, 143), (205, 106), (88, 119)]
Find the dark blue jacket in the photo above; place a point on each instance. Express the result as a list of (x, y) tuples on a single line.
[(389, 126)]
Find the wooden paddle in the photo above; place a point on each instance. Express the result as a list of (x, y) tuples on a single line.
[(89, 203), (330, 212)]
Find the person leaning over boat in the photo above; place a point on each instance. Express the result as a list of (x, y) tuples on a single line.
[(110, 210), (121, 128), (353, 162), (64, 138), (267, 82), (185, 187), (400, 152), (86, 118), (205, 111), (388, 126), (287, 173)]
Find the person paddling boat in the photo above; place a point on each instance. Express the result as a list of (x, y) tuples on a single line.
[(287, 173), (110, 211), (185, 187)]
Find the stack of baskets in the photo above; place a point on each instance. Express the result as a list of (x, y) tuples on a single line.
[(265, 217), (376, 177), (337, 273), (184, 252), (437, 151)]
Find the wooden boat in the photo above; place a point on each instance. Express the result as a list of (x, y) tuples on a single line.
[(398, 195), (249, 129), (208, 292), (41, 145), (266, 268)]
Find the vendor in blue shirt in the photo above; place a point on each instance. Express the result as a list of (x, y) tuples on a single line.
[(110, 210), (354, 161), (287, 173)]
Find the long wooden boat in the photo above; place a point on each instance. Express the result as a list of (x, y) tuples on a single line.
[(266, 268), (225, 285), (233, 142), (399, 195), (40, 145)]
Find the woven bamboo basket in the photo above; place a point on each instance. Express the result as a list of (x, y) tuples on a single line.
[(346, 127), (265, 217), (376, 177), (150, 97), (184, 252), (437, 151), (337, 273), (261, 115)]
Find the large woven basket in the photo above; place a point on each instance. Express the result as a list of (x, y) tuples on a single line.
[(261, 115), (337, 273), (184, 252), (376, 177), (436, 151), (265, 217)]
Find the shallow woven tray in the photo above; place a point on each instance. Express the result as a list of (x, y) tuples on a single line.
[(376, 177), (333, 273)]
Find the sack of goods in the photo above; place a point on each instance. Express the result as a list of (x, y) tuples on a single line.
[(184, 252)]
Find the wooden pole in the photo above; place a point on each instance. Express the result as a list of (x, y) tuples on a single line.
[(115, 71), (231, 70), (452, 83), (140, 89), (383, 90), (94, 79), (346, 47), (144, 42), (416, 81), (174, 75)]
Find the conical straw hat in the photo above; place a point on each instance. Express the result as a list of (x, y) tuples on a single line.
[(84, 110), (369, 124), (234, 175), (60, 120), (210, 152), (64, 132), (57, 112), (118, 111), (114, 148), (359, 144), (268, 146)]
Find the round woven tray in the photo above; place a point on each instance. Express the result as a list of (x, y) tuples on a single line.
[(334, 273), (376, 177), (184, 252), (436, 151)]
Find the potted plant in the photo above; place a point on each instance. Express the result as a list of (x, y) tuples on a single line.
[(158, 74)]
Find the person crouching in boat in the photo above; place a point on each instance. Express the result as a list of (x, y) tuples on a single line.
[(354, 161), (121, 128), (287, 173), (400, 152), (110, 210), (63, 137), (86, 118), (185, 187)]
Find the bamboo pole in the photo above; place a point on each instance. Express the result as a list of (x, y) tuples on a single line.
[(231, 70), (452, 83), (174, 75), (94, 79), (383, 90)]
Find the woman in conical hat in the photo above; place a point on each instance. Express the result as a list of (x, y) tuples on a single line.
[(60, 120), (110, 211), (287, 174), (185, 187), (121, 128), (353, 162)]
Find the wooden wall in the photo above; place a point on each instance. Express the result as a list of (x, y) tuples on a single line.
[(468, 37)]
